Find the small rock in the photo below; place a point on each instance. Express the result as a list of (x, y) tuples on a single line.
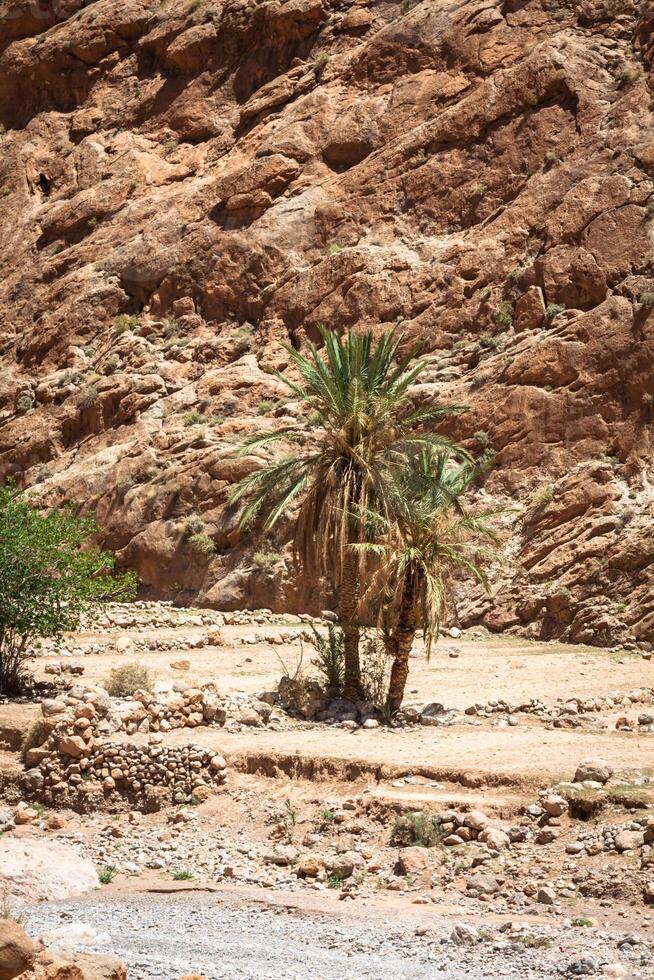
[(546, 896)]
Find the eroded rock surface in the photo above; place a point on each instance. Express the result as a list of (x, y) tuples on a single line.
[(185, 187)]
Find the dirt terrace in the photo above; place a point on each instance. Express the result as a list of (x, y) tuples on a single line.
[(460, 672)]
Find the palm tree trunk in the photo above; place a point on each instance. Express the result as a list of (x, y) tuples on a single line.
[(401, 639), (349, 615)]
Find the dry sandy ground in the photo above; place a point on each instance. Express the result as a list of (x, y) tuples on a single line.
[(481, 670)]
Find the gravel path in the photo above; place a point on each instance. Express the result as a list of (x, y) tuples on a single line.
[(163, 937)]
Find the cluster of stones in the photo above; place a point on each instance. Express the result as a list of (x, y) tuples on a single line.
[(73, 764), (85, 776), (89, 712), (566, 713)]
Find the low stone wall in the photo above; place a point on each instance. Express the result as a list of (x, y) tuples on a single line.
[(124, 774)]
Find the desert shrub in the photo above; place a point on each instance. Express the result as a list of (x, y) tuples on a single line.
[(376, 666), (202, 544), (194, 417), (320, 62), (330, 655), (629, 74), (479, 191), (503, 314), (124, 323), (194, 524), (265, 559), (481, 438), (415, 828), (267, 405), (552, 310), (106, 875), (646, 300), (125, 485), (419, 158), (25, 401), (87, 397), (124, 681), (551, 158), (335, 248), (244, 335), (111, 364), (182, 875), (488, 342), (541, 496)]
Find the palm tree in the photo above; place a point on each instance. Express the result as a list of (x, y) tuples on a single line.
[(427, 536), (362, 422)]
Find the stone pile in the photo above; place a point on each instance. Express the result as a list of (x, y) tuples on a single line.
[(87, 775), (567, 713), (86, 711)]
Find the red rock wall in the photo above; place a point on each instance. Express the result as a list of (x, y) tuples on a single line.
[(235, 174)]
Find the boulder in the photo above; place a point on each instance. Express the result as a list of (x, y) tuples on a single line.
[(494, 838), (485, 884), (629, 840), (67, 965), (43, 870), (343, 865), (17, 951), (596, 770), (412, 860), (309, 866)]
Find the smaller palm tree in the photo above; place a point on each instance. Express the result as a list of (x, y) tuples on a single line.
[(428, 538)]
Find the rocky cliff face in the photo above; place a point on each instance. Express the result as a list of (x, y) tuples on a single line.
[(186, 185)]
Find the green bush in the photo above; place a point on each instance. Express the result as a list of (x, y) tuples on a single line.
[(202, 544), (488, 342), (25, 402), (552, 310), (193, 524), (266, 559), (376, 665), (107, 874), (194, 417), (646, 300), (50, 577), (503, 314), (87, 397), (541, 496), (267, 405), (419, 158), (123, 323), (320, 62), (415, 828), (124, 681), (330, 659)]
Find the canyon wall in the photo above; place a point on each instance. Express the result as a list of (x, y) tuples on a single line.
[(185, 187)]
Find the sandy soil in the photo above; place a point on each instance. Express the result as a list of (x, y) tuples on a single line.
[(480, 670), (483, 669)]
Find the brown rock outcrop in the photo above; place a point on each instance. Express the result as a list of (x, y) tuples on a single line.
[(183, 188)]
